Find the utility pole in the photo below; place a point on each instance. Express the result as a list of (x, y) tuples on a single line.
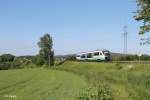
[(140, 48), (125, 40)]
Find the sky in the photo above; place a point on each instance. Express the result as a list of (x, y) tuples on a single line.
[(75, 25)]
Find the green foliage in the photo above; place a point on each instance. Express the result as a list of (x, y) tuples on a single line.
[(143, 13), (38, 60), (52, 59), (98, 92), (59, 61), (21, 62), (5, 65), (7, 58), (24, 63), (71, 57), (45, 44), (125, 81), (130, 58)]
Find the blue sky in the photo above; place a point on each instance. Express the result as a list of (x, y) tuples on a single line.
[(75, 25)]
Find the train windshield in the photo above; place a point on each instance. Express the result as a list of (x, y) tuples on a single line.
[(106, 53)]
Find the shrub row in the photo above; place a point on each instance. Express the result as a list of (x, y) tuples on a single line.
[(130, 58), (8, 61)]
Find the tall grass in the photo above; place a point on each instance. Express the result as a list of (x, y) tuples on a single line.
[(98, 92), (126, 81)]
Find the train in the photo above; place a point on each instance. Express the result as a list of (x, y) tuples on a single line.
[(97, 55)]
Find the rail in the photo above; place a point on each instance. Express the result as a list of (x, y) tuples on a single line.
[(138, 62)]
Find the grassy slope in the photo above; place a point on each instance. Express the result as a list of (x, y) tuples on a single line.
[(43, 84), (126, 83), (39, 84)]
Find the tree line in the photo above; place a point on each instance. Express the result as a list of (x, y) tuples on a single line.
[(44, 58)]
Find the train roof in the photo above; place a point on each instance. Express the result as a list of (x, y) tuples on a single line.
[(94, 51)]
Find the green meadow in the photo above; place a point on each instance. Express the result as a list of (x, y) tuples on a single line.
[(77, 81), (39, 84)]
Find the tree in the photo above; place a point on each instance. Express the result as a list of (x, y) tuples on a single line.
[(45, 44), (7, 58), (143, 14), (52, 58)]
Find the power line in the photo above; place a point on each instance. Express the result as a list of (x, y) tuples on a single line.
[(125, 40)]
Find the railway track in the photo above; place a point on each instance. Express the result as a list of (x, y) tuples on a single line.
[(134, 62)]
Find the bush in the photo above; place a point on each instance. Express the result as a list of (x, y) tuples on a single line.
[(5, 65), (8, 62), (38, 60), (10, 65), (130, 58), (71, 57), (99, 92)]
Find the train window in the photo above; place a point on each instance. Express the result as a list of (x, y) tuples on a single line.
[(106, 53), (89, 55), (82, 56), (100, 53), (96, 54)]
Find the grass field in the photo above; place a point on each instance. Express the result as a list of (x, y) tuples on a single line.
[(77, 80), (39, 84)]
